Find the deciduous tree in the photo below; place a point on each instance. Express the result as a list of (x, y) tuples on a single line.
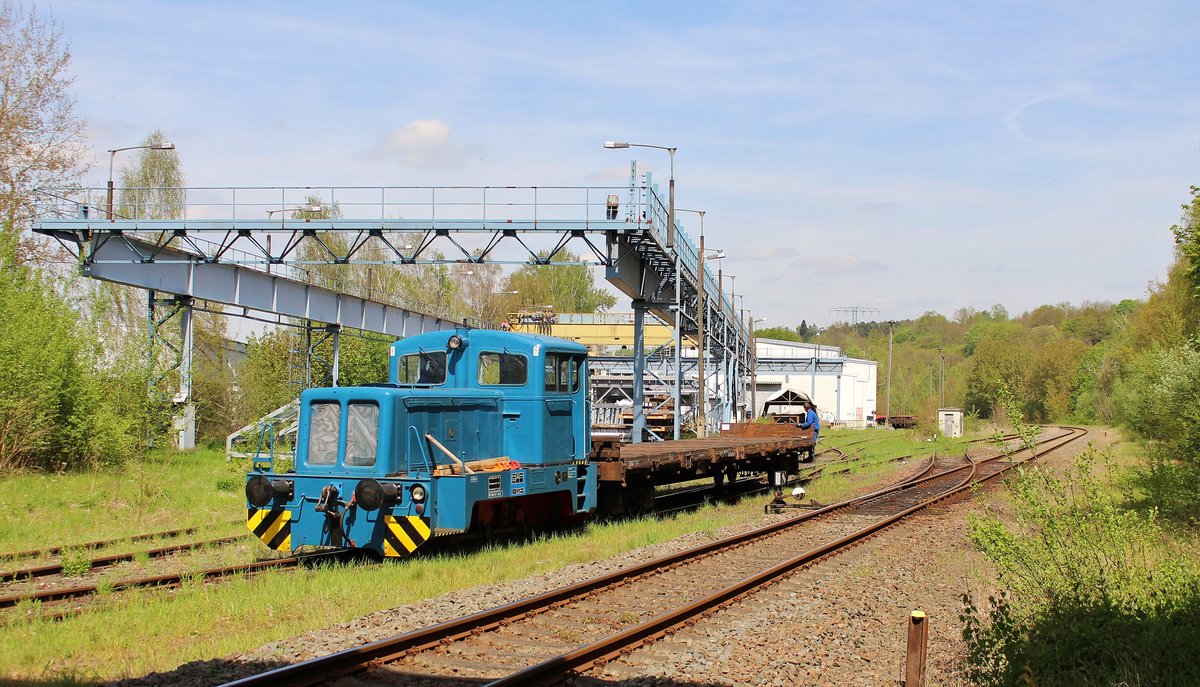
[(152, 185), (568, 288), (41, 136)]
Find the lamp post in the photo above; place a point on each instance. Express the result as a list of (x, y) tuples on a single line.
[(702, 402), (613, 145), (723, 376), (754, 369), (888, 407), (112, 155), (700, 333)]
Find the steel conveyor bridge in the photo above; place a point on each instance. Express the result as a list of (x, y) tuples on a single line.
[(257, 249)]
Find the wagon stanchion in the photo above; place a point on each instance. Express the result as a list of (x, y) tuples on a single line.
[(918, 640)]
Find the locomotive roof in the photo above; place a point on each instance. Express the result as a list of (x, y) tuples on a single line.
[(488, 338)]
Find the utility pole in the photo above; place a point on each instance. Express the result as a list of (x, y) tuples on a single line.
[(888, 422), (702, 418), (942, 386)]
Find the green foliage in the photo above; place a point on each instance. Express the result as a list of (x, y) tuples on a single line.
[(57, 411), (1010, 409), (1187, 239), (567, 288), (152, 186), (999, 363), (1049, 381), (76, 562), (1162, 408), (777, 333), (263, 375), (1095, 374), (45, 141), (275, 358), (1094, 593)]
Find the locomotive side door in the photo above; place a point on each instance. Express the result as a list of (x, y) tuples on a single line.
[(562, 385)]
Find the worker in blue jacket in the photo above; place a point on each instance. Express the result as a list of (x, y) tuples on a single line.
[(811, 420)]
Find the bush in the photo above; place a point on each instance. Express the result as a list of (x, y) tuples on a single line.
[(57, 411), (1159, 403), (1093, 596)]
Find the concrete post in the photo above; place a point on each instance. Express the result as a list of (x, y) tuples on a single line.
[(185, 422)]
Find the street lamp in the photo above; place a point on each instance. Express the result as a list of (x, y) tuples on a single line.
[(112, 155), (754, 369), (312, 207), (702, 403), (612, 145)]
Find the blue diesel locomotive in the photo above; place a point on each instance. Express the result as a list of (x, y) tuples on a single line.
[(474, 430)]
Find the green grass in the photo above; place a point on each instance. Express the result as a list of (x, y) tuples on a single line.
[(157, 630), (167, 491), (154, 630)]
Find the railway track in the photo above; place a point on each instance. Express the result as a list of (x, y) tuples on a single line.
[(51, 600), (566, 632), (58, 550), (62, 594), (113, 559)]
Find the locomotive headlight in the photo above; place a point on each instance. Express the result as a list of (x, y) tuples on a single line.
[(260, 490), (370, 494), (455, 342), (418, 493)]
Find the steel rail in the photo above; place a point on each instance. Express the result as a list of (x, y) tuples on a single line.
[(582, 658), (172, 580), (105, 561), (56, 550), (611, 646)]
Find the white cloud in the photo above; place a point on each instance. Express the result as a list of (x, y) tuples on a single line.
[(1012, 120), (421, 143)]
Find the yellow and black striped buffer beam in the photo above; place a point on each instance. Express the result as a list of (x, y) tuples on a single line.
[(273, 527), (402, 535)]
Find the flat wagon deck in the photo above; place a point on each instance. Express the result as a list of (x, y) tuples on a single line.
[(740, 448)]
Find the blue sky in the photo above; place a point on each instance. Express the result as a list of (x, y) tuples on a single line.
[(900, 156)]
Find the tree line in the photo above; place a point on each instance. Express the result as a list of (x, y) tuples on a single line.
[(1134, 364)]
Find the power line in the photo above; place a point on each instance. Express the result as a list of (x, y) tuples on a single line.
[(853, 311)]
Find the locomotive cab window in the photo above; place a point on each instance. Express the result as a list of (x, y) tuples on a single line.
[(362, 430), (426, 367), (506, 369), (562, 373), (324, 422)]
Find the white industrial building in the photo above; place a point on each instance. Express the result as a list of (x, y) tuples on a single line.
[(843, 389)]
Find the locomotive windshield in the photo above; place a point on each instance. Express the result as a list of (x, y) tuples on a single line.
[(323, 432), (426, 367), (362, 425)]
